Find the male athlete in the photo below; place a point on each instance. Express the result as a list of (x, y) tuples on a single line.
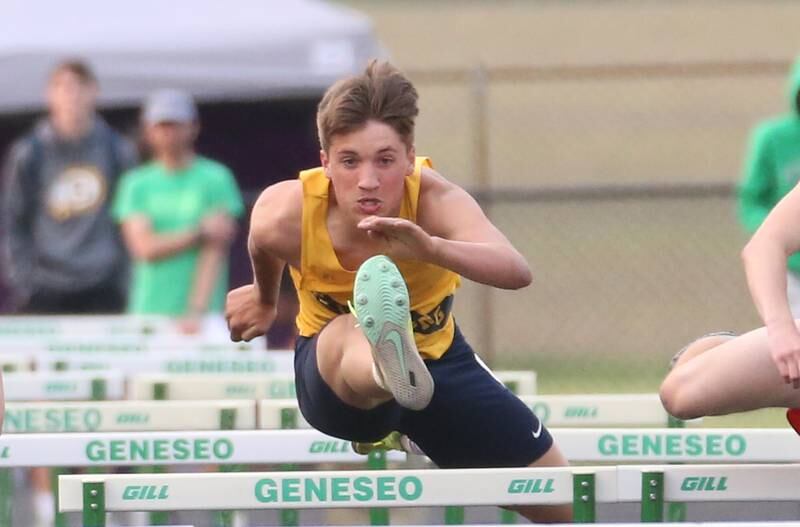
[(377, 228)]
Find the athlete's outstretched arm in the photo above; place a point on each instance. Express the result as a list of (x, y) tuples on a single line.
[(273, 240), (764, 259), (453, 232)]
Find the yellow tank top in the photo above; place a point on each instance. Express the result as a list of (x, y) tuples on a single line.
[(324, 286)]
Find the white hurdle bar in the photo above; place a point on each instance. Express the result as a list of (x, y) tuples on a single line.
[(213, 386), (180, 362), (335, 489), (75, 346), (128, 416), (638, 409), (147, 415), (51, 327), (254, 386), (582, 487), (310, 446), (63, 386)]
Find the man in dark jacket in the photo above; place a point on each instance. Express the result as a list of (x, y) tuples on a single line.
[(64, 252)]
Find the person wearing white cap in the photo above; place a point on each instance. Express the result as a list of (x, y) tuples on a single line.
[(178, 216)]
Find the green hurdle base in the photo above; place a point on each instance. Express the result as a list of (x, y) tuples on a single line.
[(376, 460), (94, 505), (676, 512), (6, 496), (289, 517)]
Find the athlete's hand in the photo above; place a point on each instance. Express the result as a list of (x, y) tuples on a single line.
[(247, 316), (401, 239), (784, 346)]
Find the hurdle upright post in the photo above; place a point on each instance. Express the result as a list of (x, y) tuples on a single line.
[(94, 504), (676, 512), (583, 498), (6, 480), (60, 519), (376, 460), (652, 497), (289, 517), (160, 393), (227, 421), (6, 493)]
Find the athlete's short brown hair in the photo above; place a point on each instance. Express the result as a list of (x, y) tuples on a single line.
[(382, 93)]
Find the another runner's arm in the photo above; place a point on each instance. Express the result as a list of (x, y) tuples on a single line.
[(274, 237), (765, 257), (464, 240)]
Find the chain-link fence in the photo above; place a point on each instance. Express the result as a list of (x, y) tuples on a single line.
[(618, 184)]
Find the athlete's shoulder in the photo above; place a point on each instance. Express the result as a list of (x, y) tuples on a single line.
[(278, 214), (434, 185)]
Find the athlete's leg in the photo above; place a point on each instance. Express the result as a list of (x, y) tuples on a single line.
[(473, 421), (723, 375), (548, 513), (701, 345), (344, 359)]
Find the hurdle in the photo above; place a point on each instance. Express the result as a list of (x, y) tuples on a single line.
[(48, 327), (128, 416), (602, 445), (553, 410), (313, 447), (177, 362), (212, 386), (74, 346), (252, 386), (108, 416), (598, 410), (583, 487), (11, 362), (63, 386)]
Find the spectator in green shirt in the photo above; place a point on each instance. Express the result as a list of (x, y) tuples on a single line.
[(772, 169), (178, 215)]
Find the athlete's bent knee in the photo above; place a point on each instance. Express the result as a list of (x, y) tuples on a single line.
[(676, 398)]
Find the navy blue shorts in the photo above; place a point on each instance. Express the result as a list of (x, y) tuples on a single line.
[(473, 421)]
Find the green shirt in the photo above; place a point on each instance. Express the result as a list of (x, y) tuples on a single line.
[(772, 167), (174, 201)]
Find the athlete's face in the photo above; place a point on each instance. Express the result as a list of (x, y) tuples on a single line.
[(367, 169)]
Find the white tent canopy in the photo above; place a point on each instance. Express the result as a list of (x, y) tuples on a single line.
[(216, 49)]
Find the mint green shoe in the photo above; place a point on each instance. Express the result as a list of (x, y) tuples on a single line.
[(382, 309)]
